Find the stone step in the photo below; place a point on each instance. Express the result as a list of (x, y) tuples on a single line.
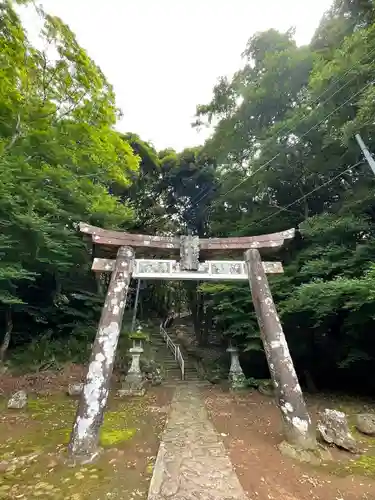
[(174, 363), (165, 357), (163, 350), (187, 372), (168, 355), (178, 383), (164, 362)]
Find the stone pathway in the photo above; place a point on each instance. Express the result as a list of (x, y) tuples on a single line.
[(192, 463)]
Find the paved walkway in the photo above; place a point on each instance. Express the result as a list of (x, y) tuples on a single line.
[(192, 463)]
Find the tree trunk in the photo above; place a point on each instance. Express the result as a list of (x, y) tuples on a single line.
[(208, 322), (305, 205), (179, 299), (297, 423), (8, 333), (310, 384), (202, 325), (84, 439), (192, 295)]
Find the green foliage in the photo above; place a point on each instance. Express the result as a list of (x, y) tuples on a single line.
[(284, 126), (283, 129), (49, 353), (59, 158), (189, 185)]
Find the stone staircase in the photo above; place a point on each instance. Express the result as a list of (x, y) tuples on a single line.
[(191, 373), (165, 358)]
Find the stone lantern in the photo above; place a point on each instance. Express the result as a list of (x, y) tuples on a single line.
[(138, 338), (133, 384), (236, 376)]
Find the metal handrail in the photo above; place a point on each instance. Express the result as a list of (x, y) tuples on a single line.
[(176, 351)]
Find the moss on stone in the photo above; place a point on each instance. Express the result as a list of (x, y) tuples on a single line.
[(140, 336)]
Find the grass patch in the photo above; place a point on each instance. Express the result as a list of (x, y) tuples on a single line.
[(111, 437), (48, 423)]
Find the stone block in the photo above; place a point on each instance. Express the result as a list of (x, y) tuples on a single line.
[(365, 423), (334, 429), (75, 389), (18, 401)]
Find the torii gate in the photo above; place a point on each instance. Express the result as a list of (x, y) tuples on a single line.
[(118, 258)]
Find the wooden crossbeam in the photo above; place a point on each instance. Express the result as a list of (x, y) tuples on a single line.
[(109, 238), (163, 269)]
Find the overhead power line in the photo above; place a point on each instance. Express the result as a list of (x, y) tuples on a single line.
[(302, 136), (361, 162), (283, 129)]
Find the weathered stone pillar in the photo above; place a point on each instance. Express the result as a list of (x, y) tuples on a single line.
[(297, 423), (236, 375), (84, 439)]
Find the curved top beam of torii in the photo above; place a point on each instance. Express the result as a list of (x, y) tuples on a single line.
[(110, 238)]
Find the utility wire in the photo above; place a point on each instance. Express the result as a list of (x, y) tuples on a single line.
[(361, 162), (204, 191), (302, 136), (336, 80)]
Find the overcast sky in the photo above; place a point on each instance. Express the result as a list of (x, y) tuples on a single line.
[(164, 56)]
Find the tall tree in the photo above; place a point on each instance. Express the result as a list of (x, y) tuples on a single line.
[(59, 156), (283, 133)]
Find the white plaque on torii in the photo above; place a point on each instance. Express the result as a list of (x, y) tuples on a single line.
[(164, 269)]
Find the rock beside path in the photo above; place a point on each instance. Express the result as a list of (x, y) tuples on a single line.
[(266, 388), (365, 423), (334, 429), (313, 457), (18, 400), (75, 389)]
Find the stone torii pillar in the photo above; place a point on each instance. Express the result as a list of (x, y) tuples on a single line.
[(84, 439), (297, 424)]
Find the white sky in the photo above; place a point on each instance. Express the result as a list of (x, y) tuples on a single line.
[(163, 57)]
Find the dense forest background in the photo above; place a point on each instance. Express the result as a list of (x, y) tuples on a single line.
[(282, 154)]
